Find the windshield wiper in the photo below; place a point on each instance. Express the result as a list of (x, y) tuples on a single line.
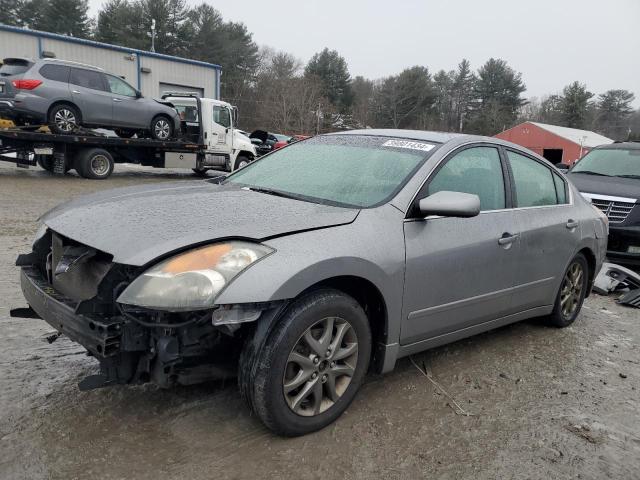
[(629, 176), (589, 172), (276, 193)]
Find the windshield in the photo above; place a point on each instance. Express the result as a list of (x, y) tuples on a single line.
[(342, 170), (616, 162)]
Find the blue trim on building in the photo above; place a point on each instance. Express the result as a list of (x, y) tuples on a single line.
[(138, 67), (218, 74), (91, 43), (39, 47)]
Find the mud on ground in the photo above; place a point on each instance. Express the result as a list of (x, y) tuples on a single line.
[(542, 403)]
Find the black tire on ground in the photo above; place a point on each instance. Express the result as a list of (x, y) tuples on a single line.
[(94, 163), (45, 162), (123, 133), (241, 161), (201, 172), (161, 128), (63, 119), (262, 374), (571, 294)]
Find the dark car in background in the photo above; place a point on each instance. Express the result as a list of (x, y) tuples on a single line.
[(609, 176), (66, 95)]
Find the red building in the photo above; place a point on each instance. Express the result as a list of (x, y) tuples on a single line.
[(556, 144)]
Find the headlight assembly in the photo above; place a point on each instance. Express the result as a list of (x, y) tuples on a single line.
[(192, 280)]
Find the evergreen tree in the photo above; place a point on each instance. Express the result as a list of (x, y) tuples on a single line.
[(10, 12), (613, 112), (574, 105), (497, 93), (66, 17), (121, 22), (333, 72), (463, 84)]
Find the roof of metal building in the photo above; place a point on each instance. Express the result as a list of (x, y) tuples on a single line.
[(107, 46), (586, 138)]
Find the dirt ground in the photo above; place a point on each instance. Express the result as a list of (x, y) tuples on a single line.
[(541, 403)]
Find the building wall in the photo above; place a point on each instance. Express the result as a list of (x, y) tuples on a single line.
[(537, 139), (124, 62)]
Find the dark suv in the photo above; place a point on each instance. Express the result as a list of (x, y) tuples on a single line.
[(609, 176), (67, 94)]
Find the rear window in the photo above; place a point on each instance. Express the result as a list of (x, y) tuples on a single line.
[(87, 78), (59, 73), (14, 67)]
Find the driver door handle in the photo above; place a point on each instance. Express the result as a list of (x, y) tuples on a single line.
[(117, 100), (507, 238), (571, 224), (75, 91)]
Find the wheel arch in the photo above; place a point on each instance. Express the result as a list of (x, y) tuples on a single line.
[(64, 102), (370, 298), (591, 263)]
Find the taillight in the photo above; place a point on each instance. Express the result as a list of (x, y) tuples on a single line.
[(26, 84)]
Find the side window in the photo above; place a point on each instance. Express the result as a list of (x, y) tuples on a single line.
[(87, 78), (534, 182), (58, 73), (474, 170), (561, 188), (120, 87), (222, 116)]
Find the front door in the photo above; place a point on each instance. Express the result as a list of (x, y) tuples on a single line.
[(460, 271), (90, 92), (220, 138), (128, 109)]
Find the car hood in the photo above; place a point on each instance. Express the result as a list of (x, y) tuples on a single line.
[(612, 186), (139, 224)]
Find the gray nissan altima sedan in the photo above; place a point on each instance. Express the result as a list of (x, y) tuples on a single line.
[(307, 268)]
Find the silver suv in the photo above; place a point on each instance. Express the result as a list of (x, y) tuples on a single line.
[(66, 94)]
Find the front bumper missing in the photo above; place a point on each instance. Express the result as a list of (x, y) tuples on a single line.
[(100, 337)]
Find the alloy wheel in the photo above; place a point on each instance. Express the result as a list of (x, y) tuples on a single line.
[(65, 120), (320, 366), (162, 129), (571, 290)]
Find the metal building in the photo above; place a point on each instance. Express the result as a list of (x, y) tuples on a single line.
[(151, 73), (556, 144)]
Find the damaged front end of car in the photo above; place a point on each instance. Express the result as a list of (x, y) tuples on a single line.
[(158, 324)]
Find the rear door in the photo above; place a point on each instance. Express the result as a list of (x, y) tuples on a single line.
[(90, 93), (549, 231), (460, 271), (128, 109)]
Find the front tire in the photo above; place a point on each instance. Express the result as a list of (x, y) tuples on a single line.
[(63, 119), (241, 161), (311, 365), (573, 290), (122, 133), (161, 128)]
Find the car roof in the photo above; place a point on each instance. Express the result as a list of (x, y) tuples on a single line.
[(439, 137), (619, 146)]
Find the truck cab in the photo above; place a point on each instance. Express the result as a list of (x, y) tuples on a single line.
[(213, 123)]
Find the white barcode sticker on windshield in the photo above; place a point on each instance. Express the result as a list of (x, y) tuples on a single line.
[(425, 147)]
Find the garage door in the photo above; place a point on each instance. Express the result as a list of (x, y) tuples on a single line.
[(171, 87)]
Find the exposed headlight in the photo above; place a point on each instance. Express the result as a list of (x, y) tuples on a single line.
[(192, 280)]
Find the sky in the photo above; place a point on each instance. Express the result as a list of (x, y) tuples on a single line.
[(551, 42)]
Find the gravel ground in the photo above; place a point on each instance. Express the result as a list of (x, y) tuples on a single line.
[(535, 402)]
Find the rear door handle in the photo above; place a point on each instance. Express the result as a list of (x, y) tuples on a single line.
[(117, 100), (507, 238), (571, 224), (75, 91)]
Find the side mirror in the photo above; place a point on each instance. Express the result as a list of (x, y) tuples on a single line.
[(234, 115), (450, 204), (138, 94)]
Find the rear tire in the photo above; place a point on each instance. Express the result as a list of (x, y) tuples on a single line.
[(161, 128), (571, 294), (324, 388), (201, 172), (95, 164), (63, 119), (45, 162)]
